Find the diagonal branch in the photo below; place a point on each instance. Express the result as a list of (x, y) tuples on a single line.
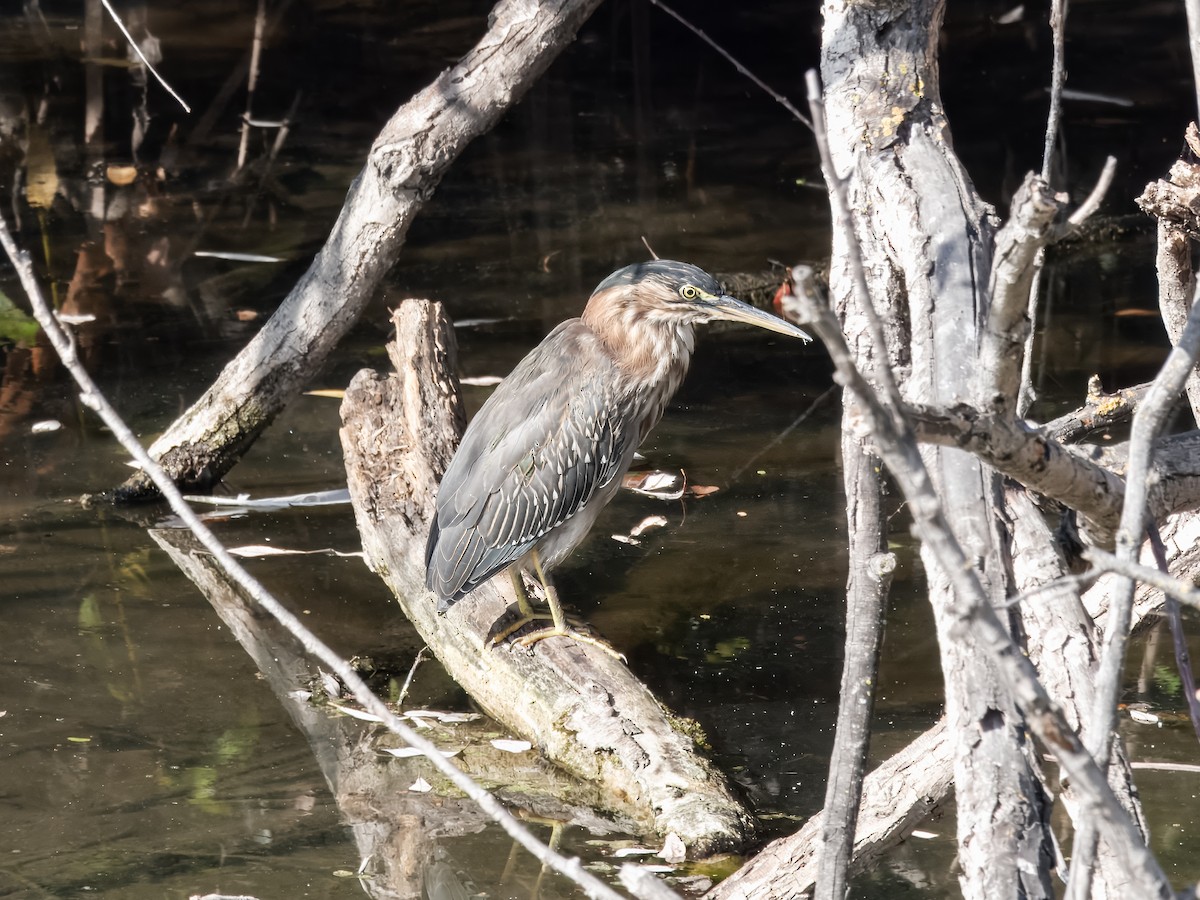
[(409, 157), (92, 398)]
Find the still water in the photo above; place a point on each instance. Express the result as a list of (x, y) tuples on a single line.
[(146, 755)]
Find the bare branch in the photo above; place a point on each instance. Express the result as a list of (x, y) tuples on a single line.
[(725, 54), (1193, 20), (1163, 581), (1063, 473), (91, 397), (1058, 75), (1148, 423), (138, 50), (1029, 228), (970, 607), (870, 578), (1100, 410), (1096, 197)]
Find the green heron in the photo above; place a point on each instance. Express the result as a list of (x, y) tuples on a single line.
[(548, 450)]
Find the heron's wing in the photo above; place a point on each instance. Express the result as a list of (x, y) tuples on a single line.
[(545, 442)]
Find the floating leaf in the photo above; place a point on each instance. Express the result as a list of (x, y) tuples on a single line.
[(509, 745), (332, 497), (449, 718), (237, 257), (257, 551), (408, 752), (646, 524), (331, 393), (45, 427), (80, 740), (481, 380), (356, 713), (421, 786), (659, 484)]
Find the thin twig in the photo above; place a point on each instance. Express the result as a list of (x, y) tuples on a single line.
[(1076, 583), (1094, 199), (138, 50), (1172, 587), (762, 85), (812, 408), (1058, 25), (91, 397), (409, 680), (260, 25), (1026, 394)]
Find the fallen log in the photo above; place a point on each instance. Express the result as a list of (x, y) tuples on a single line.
[(584, 710)]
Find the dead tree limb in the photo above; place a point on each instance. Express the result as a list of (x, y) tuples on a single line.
[(1062, 642), (583, 710), (404, 166), (869, 581), (927, 240)]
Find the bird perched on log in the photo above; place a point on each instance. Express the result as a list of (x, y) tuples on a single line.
[(548, 450)]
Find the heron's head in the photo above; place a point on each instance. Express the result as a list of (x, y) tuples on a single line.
[(668, 293)]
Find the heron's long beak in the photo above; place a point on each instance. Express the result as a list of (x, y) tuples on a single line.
[(734, 310)]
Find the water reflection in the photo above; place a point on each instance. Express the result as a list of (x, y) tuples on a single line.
[(145, 756)]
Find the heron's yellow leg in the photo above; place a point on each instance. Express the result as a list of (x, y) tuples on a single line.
[(560, 628), (528, 613)]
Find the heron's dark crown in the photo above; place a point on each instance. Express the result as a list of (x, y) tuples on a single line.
[(663, 273)]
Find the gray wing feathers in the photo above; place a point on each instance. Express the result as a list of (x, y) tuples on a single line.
[(537, 451)]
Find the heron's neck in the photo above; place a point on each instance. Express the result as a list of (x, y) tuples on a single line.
[(650, 349)]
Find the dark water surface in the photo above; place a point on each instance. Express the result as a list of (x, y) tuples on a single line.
[(144, 756)]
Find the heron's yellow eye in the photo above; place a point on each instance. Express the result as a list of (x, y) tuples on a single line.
[(687, 292)]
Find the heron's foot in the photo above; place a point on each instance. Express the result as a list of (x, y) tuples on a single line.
[(528, 640), (501, 631)]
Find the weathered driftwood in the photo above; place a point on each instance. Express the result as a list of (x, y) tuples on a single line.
[(583, 709), (396, 829), (405, 164)]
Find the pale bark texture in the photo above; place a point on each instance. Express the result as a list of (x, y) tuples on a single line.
[(927, 243), (870, 579), (407, 161), (1063, 644), (580, 707)]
